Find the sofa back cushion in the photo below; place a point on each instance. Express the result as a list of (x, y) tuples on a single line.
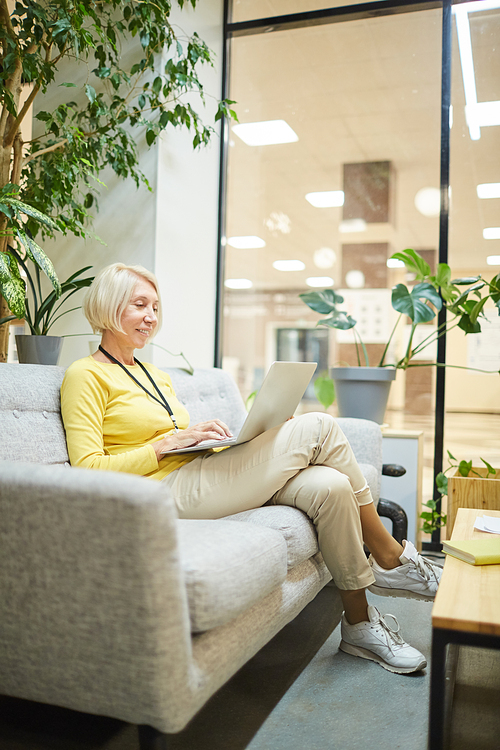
[(30, 408), (30, 414), (209, 394)]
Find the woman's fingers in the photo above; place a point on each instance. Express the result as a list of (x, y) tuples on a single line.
[(215, 426)]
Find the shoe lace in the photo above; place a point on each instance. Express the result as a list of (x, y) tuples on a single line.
[(392, 631), (425, 569)]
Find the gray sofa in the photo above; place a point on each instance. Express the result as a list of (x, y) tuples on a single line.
[(111, 604)]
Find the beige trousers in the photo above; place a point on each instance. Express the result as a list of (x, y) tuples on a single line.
[(306, 463)]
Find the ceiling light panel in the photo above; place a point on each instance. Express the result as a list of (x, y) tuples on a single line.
[(247, 242), (289, 265), (266, 133), (491, 233), (493, 260), (318, 281), (488, 190), (238, 283), (326, 198)]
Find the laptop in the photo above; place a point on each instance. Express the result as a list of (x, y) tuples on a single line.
[(276, 401)]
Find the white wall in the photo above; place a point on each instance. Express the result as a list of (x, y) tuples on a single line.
[(172, 231), (187, 214)]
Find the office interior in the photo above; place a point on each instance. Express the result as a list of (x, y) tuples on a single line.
[(345, 96)]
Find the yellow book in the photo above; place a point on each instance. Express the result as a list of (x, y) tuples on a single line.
[(475, 551)]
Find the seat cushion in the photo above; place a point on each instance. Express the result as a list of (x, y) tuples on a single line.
[(297, 530), (228, 568)]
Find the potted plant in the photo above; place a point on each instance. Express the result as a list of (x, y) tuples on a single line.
[(420, 304), (42, 311), (468, 487)]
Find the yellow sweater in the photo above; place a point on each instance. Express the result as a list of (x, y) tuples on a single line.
[(110, 422)]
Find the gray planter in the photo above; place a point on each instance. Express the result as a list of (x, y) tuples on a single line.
[(363, 392), (38, 350)]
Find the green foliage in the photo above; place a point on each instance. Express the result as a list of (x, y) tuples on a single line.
[(414, 303), (325, 303), (420, 304), (95, 125), (324, 389), (41, 312), (433, 519)]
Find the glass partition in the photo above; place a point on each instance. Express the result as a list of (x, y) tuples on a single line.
[(472, 424), (333, 168), (248, 10)]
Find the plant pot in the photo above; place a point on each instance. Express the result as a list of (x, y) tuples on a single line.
[(38, 350), (363, 392), (472, 492)]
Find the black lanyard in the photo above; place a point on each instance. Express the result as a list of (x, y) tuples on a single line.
[(163, 401)]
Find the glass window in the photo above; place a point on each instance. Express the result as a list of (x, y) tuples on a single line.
[(472, 424), (333, 168), (248, 10)]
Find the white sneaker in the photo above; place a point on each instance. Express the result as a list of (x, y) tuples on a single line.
[(415, 578), (380, 641)]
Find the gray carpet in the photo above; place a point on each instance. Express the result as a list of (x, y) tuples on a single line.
[(299, 692)]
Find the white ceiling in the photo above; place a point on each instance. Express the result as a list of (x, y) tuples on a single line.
[(353, 92)]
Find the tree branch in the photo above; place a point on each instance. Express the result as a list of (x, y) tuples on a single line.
[(45, 151), (9, 138), (4, 13), (22, 114), (17, 162)]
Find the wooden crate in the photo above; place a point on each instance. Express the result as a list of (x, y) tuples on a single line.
[(472, 492)]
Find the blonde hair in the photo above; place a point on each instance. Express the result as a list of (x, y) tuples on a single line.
[(109, 294)]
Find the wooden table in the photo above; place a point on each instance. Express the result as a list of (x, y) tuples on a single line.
[(466, 612)]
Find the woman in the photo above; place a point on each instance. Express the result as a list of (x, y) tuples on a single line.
[(121, 415)]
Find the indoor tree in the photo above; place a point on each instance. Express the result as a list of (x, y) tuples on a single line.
[(50, 183)]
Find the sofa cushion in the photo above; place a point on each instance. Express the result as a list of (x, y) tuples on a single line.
[(228, 568), (293, 524), (30, 414)]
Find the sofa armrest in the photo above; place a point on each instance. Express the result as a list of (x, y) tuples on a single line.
[(95, 614)]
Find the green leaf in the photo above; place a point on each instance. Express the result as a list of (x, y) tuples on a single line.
[(431, 504), (33, 212), (322, 302), (41, 260), (489, 467), (150, 137), (467, 326), (442, 483), (157, 84), (465, 280), (494, 289), (12, 286), (464, 468), (443, 275), (414, 263), (410, 303), (90, 92), (324, 389), (340, 320), (477, 309), (426, 516), (451, 456), (69, 85)]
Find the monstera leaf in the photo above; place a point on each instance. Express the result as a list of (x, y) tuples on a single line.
[(414, 303)]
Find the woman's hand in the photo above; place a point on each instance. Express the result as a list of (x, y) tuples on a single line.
[(212, 430)]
